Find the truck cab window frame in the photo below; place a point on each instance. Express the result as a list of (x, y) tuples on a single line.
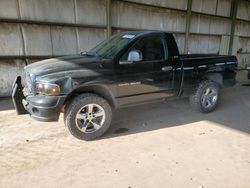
[(147, 46)]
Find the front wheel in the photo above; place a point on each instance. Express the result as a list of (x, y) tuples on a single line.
[(88, 116), (206, 97)]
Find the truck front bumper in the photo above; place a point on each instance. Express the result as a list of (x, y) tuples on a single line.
[(41, 108)]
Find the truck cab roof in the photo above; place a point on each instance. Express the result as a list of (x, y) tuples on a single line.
[(141, 33)]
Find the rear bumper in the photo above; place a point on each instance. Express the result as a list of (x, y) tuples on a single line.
[(41, 108)]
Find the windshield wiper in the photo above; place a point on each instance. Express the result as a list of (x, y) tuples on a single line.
[(85, 53)]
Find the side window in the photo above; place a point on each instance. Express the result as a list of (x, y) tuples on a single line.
[(152, 49)]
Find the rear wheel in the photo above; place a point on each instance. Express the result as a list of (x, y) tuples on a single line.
[(88, 116), (206, 97)]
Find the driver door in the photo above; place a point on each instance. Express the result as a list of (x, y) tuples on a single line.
[(148, 78)]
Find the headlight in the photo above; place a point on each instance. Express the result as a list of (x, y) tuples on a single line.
[(47, 89)]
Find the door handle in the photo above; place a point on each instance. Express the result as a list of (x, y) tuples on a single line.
[(167, 68)]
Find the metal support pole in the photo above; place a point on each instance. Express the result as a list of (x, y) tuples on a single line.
[(234, 8), (188, 21), (108, 17)]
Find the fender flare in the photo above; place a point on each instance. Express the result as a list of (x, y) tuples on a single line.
[(100, 90), (215, 77)]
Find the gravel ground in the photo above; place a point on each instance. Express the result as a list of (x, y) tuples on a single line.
[(156, 145)]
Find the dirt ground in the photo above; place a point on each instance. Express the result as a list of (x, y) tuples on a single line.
[(156, 145)]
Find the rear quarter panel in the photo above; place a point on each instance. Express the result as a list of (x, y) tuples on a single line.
[(220, 69)]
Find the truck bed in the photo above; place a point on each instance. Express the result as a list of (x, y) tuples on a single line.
[(213, 63), (194, 60)]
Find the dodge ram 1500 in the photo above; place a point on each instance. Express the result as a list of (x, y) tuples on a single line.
[(127, 69)]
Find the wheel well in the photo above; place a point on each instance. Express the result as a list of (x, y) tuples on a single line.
[(98, 90), (215, 77)]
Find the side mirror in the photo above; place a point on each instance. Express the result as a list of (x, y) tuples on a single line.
[(133, 56)]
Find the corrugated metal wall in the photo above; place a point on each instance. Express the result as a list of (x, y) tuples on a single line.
[(33, 29), (242, 33)]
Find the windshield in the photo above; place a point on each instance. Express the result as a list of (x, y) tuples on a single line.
[(109, 48)]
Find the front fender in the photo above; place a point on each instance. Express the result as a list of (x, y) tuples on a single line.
[(107, 92)]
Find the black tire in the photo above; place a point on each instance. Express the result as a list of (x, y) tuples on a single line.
[(73, 108), (198, 99)]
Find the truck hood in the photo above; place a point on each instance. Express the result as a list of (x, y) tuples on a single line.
[(67, 72), (63, 65)]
